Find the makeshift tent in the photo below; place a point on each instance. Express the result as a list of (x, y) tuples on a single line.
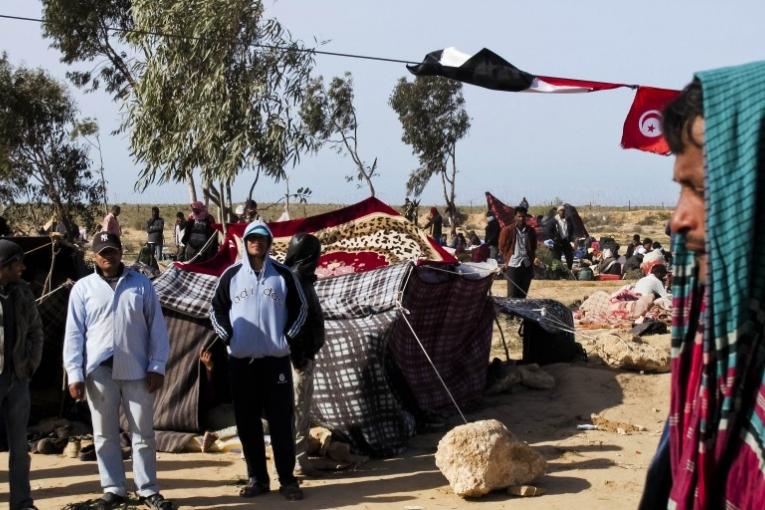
[(370, 377)]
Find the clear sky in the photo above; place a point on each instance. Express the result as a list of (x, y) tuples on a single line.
[(538, 146)]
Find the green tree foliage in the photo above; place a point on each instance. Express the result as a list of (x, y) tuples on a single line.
[(224, 98), (329, 112), (79, 29), (41, 163), (433, 118)]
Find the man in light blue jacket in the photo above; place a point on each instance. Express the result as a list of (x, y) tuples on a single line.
[(115, 351)]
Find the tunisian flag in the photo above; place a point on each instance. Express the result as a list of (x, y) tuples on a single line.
[(642, 127), (489, 70)]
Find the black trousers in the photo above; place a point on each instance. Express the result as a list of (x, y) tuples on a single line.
[(264, 385), (519, 281), (563, 248)]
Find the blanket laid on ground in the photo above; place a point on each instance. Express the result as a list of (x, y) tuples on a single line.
[(619, 309), (361, 237)]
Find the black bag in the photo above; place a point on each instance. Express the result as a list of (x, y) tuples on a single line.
[(542, 347)]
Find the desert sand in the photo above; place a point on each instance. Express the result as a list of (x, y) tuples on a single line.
[(587, 469)]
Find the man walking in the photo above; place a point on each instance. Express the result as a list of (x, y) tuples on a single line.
[(518, 245), (562, 236), (258, 309), (115, 351), (302, 257), (21, 346), (155, 227)]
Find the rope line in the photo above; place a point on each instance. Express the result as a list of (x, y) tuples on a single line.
[(199, 38), (38, 248)]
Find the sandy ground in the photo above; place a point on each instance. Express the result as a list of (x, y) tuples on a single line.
[(587, 469)]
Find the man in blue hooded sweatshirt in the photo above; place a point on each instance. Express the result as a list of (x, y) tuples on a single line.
[(258, 309)]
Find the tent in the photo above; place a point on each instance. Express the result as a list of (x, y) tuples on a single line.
[(371, 378)]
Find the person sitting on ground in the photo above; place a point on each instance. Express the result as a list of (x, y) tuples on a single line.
[(644, 248), (609, 264), (633, 245), (474, 239), (653, 282)]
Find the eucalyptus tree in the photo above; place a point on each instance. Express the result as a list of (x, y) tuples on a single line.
[(433, 119), (223, 94), (43, 161), (330, 115)]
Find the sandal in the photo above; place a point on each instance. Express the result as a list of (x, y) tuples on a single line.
[(253, 489)]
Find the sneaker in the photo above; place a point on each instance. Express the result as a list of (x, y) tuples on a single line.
[(291, 492), (109, 500), (157, 502)]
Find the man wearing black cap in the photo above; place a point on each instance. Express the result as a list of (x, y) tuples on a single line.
[(115, 351), (21, 342)]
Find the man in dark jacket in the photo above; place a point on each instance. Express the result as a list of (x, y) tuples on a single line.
[(302, 257), (258, 310), (518, 245), (21, 344), (562, 235), (155, 228)]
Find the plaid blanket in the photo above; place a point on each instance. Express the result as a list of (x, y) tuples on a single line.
[(186, 292), (353, 394), (453, 317)]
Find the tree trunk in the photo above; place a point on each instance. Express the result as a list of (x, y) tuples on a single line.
[(191, 186)]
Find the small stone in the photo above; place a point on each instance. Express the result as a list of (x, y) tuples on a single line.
[(483, 456), (525, 491)]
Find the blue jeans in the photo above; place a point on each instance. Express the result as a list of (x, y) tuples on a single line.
[(15, 401), (104, 398)]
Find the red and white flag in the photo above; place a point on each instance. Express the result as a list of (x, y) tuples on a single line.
[(642, 127)]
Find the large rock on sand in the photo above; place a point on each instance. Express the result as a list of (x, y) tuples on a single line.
[(623, 351), (483, 456)]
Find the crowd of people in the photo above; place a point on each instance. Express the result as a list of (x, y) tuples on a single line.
[(116, 349)]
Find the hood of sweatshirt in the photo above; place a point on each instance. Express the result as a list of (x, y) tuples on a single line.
[(257, 227)]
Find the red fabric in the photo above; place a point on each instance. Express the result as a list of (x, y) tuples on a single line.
[(506, 215), (582, 84), (602, 277), (642, 127), (361, 237)]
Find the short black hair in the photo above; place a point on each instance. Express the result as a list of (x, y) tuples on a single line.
[(679, 115), (659, 270), (179, 214), (656, 245), (647, 240), (522, 210), (636, 237)]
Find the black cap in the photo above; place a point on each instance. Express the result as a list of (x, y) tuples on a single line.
[(10, 252), (104, 240)]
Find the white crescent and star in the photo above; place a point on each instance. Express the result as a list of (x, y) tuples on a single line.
[(649, 124)]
